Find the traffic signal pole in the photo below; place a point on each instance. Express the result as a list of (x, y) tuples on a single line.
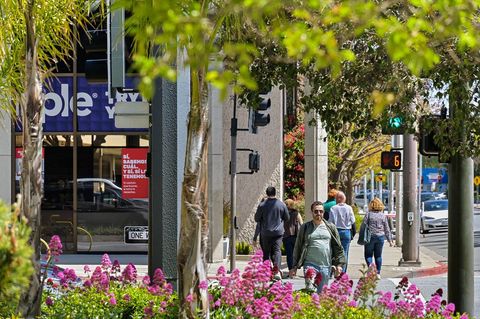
[(460, 227), (411, 216)]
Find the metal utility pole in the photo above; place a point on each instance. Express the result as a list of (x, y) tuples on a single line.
[(460, 229), (410, 252), (398, 199), (380, 187)]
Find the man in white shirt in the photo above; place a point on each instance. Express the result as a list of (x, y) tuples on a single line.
[(341, 215)]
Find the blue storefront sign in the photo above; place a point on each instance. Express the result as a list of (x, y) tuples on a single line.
[(434, 175), (94, 109)]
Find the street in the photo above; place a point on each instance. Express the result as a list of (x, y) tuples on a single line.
[(437, 241)]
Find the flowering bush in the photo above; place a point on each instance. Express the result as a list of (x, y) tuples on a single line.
[(110, 292), (340, 300), (294, 148), (252, 294)]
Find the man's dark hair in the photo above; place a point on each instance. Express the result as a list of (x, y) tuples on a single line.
[(270, 191), (315, 203)]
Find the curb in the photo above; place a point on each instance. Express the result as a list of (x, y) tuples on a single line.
[(442, 268)]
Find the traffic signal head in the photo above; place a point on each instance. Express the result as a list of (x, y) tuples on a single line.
[(427, 145), (254, 161), (393, 125), (391, 160), (256, 117)]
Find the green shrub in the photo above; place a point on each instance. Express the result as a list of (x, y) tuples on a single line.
[(16, 266), (243, 248), (129, 301)]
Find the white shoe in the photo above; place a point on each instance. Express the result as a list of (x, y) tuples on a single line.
[(379, 277)]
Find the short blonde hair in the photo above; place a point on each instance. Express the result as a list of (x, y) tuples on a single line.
[(376, 205), (290, 203)]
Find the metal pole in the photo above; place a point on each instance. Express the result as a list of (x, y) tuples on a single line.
[(233, 182), (380, 188), (398, 200), (372, 183), (460, 228), (410, 254), (391, 182), (420, 165), (365, 199)]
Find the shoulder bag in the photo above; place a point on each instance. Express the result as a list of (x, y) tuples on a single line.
[(364, 233)]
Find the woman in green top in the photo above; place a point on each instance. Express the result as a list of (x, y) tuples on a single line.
[(318, 246), (331, 201)]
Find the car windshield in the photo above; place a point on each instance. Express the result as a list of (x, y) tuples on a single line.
[(436, 205)]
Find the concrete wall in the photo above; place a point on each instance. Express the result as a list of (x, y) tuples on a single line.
[(5, 157), (215, 176), (269, 144)]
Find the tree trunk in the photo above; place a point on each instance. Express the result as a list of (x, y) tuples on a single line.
[(194, 220), (31, 176)]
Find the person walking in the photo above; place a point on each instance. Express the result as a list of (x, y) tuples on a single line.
[(271, 215), (318, 246), (292, 225), (377, 223), (341, 215), (331, 201)]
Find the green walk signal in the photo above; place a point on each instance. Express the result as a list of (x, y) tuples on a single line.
[(393, 126)]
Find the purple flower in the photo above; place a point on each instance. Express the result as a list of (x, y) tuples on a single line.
[(49, 301), (116, 266), (127, 297), (189, 298), (113, 301), (55, 246)]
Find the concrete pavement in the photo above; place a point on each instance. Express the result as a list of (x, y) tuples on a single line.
[(430, 263)]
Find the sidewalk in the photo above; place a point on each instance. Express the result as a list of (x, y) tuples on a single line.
[(430, 263)]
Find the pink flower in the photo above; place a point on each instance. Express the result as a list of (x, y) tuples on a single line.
[(158, 277), (106, 262), (86, 269), (113, 301), (146, 280), (310, 273), (55, 246), (129, 274), (203, 284), (127, 297), (189, 298)]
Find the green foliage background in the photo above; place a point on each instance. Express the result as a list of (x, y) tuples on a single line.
[(16, 265)]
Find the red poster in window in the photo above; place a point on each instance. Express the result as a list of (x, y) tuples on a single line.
[(134, 165)]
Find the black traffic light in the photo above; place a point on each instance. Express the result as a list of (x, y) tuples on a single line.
[(96, 70), (254, 161), (393, 125), (427, 145), (391, 160), (256, 118)]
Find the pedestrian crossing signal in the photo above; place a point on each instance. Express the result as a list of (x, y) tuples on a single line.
[(391, 160)]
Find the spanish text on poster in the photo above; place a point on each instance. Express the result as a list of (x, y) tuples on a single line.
[(134, 165)]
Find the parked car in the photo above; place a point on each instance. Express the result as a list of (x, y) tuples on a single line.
[(434, 215)]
